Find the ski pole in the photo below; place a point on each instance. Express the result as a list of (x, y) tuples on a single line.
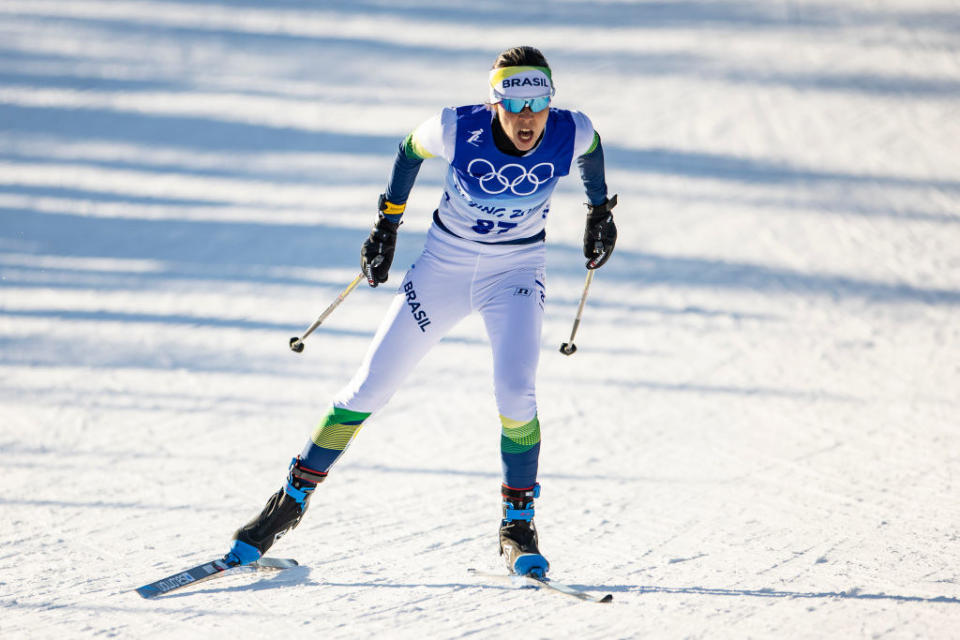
[(568, 348), (296, 344)]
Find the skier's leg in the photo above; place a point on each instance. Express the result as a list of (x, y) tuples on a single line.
[(431, 299), (513, 317)]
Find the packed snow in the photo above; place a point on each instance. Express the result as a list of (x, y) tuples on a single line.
[(757, 437)]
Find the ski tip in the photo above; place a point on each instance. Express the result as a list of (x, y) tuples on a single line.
[(606, 598), (148, 591)]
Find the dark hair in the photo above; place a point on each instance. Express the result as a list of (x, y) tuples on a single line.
[(520, 57)]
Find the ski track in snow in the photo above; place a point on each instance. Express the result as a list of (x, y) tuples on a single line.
[(758, 436)]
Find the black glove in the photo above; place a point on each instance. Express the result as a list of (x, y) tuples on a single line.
[(376, 255), (600, 234)]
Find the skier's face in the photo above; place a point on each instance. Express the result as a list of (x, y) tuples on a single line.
[(523, 128)]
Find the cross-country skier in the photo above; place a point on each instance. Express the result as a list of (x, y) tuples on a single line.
[(484, 252)]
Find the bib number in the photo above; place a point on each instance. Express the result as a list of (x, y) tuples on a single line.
[(484, 227)]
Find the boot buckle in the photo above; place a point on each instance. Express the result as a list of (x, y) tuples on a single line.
[(518, 514)]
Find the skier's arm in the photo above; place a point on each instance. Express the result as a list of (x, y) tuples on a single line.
[(592, 172), (600, 232), (406, 166), (432, 138), (376, 255)]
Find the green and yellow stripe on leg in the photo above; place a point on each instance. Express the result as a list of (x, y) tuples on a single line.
[(519, 437), (338, 428)]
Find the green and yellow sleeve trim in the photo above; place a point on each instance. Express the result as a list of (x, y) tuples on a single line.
[(414, 150)]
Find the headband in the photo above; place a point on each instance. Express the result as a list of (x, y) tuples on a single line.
[(520, 82)]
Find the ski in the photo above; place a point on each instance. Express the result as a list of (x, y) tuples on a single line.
[(207, 571), (545, 583)]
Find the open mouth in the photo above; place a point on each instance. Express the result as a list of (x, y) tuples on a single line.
[(525, 135)]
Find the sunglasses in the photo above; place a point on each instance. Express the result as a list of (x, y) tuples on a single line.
[(516, 105)]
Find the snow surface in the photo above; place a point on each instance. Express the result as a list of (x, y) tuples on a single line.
[(757, 438)]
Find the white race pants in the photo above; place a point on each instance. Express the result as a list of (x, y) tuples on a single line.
[(451, 279)]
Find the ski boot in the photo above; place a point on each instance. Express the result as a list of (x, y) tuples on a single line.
[(518, 535), (282, 513)]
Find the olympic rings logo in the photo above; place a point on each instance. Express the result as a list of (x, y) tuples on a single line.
[(515, 177)]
